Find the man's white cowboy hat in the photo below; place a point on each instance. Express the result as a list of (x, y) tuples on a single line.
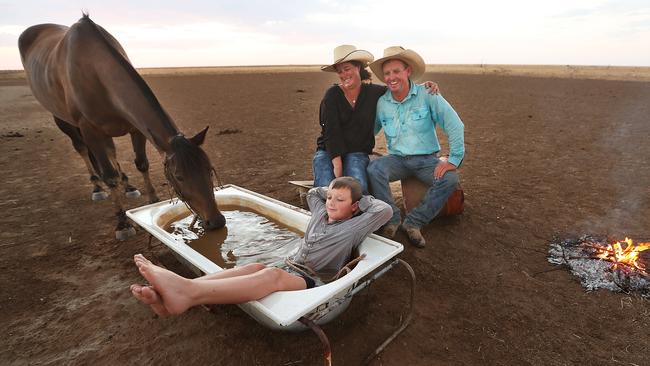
[(410, 57), (346, 53)]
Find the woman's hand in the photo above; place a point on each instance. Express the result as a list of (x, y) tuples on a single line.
[(337, 164), (432, 87)]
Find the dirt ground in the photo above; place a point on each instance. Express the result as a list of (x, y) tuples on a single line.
[(545, 157)]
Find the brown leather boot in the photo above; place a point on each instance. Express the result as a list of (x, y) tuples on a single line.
[(389, 230), (415, 236)]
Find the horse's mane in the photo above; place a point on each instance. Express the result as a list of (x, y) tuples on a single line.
[(119, 57), (188, 154)]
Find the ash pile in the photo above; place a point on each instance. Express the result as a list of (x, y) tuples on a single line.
[(588, 258)]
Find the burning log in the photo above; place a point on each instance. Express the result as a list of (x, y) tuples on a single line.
[(616, 266), (628, 255)]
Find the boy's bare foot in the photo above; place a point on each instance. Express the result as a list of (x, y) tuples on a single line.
[(170, 289), (149, 296)]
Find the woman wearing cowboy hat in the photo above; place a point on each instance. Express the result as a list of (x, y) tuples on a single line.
[(347, 117)]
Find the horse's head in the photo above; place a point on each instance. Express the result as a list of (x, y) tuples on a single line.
[(189, 172)]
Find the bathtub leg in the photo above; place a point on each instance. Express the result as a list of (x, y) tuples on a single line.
[(327, 350), (406, 321), (150, 247)]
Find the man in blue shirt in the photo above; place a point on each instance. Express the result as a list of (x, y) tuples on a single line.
[(409, 117)]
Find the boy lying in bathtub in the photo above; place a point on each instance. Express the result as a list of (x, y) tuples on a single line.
[(341, 219)]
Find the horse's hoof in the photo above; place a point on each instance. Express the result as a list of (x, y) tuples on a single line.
[(99, 196), (132, 194), (125, 233)]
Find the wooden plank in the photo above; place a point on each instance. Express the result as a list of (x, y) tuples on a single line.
[(302, 186), (308, 184)]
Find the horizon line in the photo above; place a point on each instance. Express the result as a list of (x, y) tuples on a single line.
[(427, 65)]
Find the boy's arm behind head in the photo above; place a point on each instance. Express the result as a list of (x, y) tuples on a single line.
[(374, 213), (316, 198)]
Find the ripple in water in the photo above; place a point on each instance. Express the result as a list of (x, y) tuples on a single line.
[(247, 238)]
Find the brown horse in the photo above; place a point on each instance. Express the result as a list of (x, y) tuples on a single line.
[(83, 77)]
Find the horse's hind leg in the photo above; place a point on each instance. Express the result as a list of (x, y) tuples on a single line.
[(103, 149), (139, 143), (77, 142)]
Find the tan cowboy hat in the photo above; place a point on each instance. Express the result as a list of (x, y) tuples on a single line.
[(346, 53), (410, 57)]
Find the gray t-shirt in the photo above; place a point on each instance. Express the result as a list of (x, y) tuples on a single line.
[(327, 247)]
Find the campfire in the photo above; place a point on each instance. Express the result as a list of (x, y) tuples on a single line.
[(601, 263), (627, 255)]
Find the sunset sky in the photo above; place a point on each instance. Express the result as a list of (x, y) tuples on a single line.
[(219, 33)]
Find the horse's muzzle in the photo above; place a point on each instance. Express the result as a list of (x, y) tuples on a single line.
[(214, 223)]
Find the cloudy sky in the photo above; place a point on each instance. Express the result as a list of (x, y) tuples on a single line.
[(268, 32)]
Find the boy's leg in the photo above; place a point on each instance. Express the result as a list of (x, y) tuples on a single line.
[(177, 294), (322, 168), (234, 272), (147, 295), (355, 165), (237, 290), (231, 272), (381, 172)]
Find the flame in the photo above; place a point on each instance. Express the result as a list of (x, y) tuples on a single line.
[(624, 252)]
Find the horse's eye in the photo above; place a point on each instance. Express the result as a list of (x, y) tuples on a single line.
[(179, 178)]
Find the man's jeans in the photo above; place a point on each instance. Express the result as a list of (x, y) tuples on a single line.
[(354, 165), (390, 168)]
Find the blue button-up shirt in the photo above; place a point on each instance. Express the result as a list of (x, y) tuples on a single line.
[(410, 125)]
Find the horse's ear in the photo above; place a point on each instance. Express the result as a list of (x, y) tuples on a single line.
[(199, 137)]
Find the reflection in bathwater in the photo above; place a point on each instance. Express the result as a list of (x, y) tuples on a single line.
[(247, 238)]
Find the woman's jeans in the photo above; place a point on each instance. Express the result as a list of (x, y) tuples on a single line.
[(354, 165)]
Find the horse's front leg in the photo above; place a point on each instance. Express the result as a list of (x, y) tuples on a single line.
[(139, 143), (129, 190), (103, 150)]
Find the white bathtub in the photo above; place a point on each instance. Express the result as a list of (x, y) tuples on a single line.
[(282, 309)]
